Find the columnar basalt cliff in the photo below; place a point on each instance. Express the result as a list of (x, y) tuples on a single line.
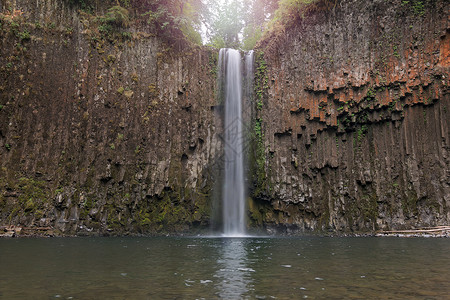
[(116, 129), (354, 114), (102, 132)]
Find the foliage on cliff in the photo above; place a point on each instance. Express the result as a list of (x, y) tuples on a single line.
[(173, 20), (231, 23), (290, 12)]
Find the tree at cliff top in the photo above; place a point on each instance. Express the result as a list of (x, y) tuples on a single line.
[(223, 23), (258, 14), (173, 19), (289, 10), (237, 24), (226, 23)]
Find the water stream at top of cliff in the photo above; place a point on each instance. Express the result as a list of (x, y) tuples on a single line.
[(233, 195)]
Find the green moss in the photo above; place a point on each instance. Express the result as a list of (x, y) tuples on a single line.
[(369, 208), (84, 5), (213, 62), (117, 16), (256, 213), (325, 214), (113, 220), (290, 10), (88, 204), (259, 176), (395, 53), (261, 79), (111, 24), (29, 205), (417, 6), (33, 195), (24, 36), (362, 132), (172, 210), (409, 203), (258, 162), (14, 28), (145, 221), (370, 93), (111, 58)]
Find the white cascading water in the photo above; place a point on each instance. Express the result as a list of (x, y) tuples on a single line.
[(233, 200)]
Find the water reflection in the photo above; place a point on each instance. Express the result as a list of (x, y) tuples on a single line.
[(218, 268), (234, 273)]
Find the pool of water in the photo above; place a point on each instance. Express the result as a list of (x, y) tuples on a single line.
[(225, 268)]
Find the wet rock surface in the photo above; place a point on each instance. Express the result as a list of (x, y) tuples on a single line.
[(355, 119), (102, 134)]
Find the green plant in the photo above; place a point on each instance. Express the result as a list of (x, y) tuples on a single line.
[(117, 16), (259, 169), (261, 79), (395, 52), (111, 58), (8, 146), (370, 93), (417, 6), (84, 5), (14, 27), (290, 10), (137, 149), (24, 36), (127, 35), (392, 105), (252, 34), (362, 132), (105, 29), (115, 19), (68, 31), (212, 61)]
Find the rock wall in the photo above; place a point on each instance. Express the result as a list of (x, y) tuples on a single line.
[(117, 130), (354, 117), (102, 131)]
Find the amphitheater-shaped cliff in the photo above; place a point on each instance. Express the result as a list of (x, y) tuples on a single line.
[(120, 131), (354, 115)]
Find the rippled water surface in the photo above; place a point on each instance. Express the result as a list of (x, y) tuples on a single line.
[(220, 268)]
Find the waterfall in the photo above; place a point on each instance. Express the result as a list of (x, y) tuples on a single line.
[(233, 195)]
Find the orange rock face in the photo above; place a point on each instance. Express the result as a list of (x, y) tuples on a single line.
[(364, 92)]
